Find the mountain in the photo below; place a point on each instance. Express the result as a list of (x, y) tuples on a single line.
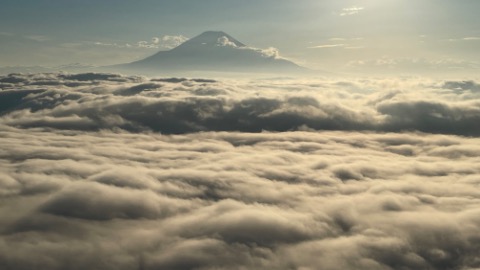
[(214, 51)]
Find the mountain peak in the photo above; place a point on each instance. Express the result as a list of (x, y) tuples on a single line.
[(212, 38), (213, 51), (212, 33)]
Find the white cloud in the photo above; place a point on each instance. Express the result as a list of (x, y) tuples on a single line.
[(104, 171), (351, 11), (271, 52), (165, 42), (353, 43), (346, 200), (170, 42), (105, 44), (345, 43), (147, 45), (225, 42), (39, 38), (327, 46)]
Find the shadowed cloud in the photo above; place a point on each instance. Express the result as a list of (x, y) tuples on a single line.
[(185, 106)]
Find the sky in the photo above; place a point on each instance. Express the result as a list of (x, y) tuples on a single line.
[(364, 36)]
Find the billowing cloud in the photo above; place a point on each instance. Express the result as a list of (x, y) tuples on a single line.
[(231, 200), (146, 44), (170, 42), (271, 52), (103, 171), (95, 101), (225, 42)]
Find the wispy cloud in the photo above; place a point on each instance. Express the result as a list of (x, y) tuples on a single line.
[(327, 46), (106, 44), (337, 39), (463, 39), (351, 10), (354, 47), (338, 45), (411, 63), (166, 42), (39, 38)]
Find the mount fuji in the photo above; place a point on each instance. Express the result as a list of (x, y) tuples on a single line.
[(214, 51)]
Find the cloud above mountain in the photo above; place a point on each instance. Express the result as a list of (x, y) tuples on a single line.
[(104, 171)]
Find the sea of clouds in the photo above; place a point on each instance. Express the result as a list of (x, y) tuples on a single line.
[(103, 171)]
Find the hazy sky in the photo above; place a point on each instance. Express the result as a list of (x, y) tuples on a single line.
[(344, 34)]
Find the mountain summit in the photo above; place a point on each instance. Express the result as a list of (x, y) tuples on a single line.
[(214, 51), (209, 39)]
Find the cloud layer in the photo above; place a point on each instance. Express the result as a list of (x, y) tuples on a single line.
[(102, 171), (94, 101), (103, 200)]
